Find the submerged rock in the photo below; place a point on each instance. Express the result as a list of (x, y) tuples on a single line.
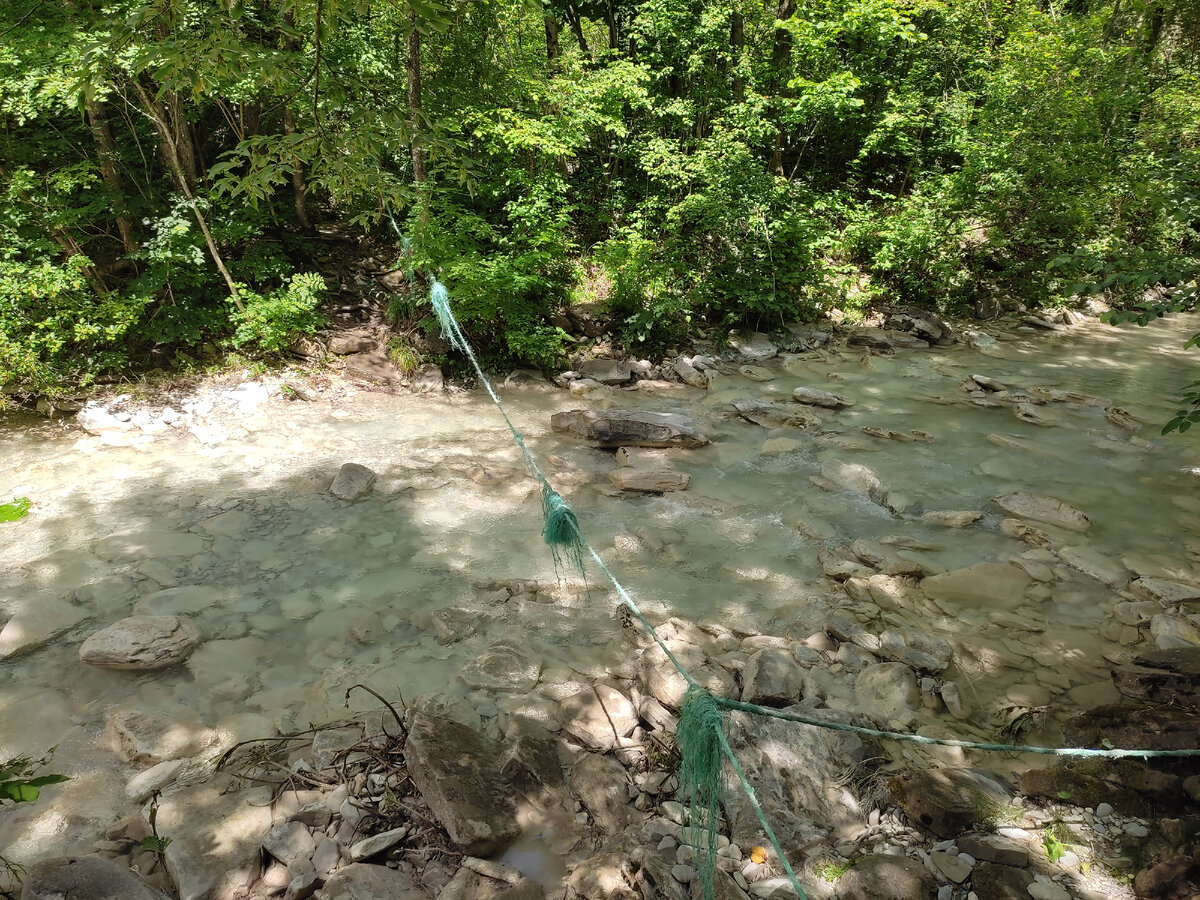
[(817, 397), (140, 642), (1043, 509), (773, 415), (634, 428), (649, 481)]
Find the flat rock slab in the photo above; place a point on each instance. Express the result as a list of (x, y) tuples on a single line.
[(41, 619), (1043, 509), (140, 643), (650, 481), (753, 345), (629, 428), (817, 397), (986, 585), (458, 775), (352, 481), (1167, 590), (607, 371), (773, 415), (86, 878)]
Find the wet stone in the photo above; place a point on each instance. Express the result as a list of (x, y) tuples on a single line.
[(140, 643), (353, 481)]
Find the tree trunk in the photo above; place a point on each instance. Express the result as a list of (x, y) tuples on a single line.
[(781, 64), (577, 28), (107, 152), (737, 41), (169, 147), (412, 65), (553, 51), (299, 185)]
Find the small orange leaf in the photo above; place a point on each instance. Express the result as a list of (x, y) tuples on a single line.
[(758, 854)]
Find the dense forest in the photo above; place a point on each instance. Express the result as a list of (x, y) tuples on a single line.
[(169, 169)]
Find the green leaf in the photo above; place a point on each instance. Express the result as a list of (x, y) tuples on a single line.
[(18, 509)]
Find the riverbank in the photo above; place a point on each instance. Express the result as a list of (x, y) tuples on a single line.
[(798, 521)]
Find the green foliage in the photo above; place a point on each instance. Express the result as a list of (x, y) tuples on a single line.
[(19, 781), (18, 509), (404, 355), (271, 322)]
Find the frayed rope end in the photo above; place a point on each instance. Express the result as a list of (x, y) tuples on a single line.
[(699, 739)]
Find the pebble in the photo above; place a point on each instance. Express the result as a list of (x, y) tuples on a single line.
[(1136, 829), (1103, 811)]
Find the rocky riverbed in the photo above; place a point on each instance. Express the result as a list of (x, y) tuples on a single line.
[(972, 535)]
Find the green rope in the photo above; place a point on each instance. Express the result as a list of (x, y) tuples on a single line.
[(698, 737), (701, 726)]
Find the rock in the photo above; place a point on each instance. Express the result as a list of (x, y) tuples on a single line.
[(1130, 787), (955, 704), (949, 801), (1048, 890), (981, 341), (854, 477), (1015, 528), (1173, 632), (875, 338), (1133, 727), (795, 772), (879, 876), (772, 675), (773, 415), (457, 774), (144, 738), (664, 682), (502, 667), (374, 367), (916, 649), (1162, 676), (85, 878), (952, 518), (345, 344), (649, 481), (607, 371), (1026, 412), (377, 843), (689, 373), (582, 387), (1043, 509), (635, 428), (1122, 419), (288, 842), (1095, 564), (752, 345), (39, 619), (216, 838), (362, 881), (428, 379), (95, 420), (991, 881), (352, 481), (143, 784), (756, 373), (1166, 590), (950, 865), (993, 848), (600, 784), (600, 716), (888, 694), (608, 876), (1164, 877), (140, 642), (817, 397), (984, 585)]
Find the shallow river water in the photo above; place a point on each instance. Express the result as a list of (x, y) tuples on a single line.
[(226, 518)]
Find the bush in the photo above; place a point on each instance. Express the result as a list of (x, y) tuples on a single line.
[(271, 322)]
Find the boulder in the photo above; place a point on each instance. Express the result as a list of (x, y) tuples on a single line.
[(362, 881), (140, 643), (854, 477), (772, 675), (635, 428), (817, 397), (752, 345), (773, 415), (874, 338), (921, 324), (1050, 510), (888, 694), (607, 371), (352, 481), (86, 878), (457, 774), (950, 801), (916, 649), (992, 881), (649, 481), (600, 716), (1165, 878), (1162, 676), (664, 682), (689, 373), (345, 344), (600, 783), (374, 366), (880, 876), (797, 773), (503, 667)]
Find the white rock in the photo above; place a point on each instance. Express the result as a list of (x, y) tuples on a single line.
[(140, 643), (600, 716), (1043, 509)]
